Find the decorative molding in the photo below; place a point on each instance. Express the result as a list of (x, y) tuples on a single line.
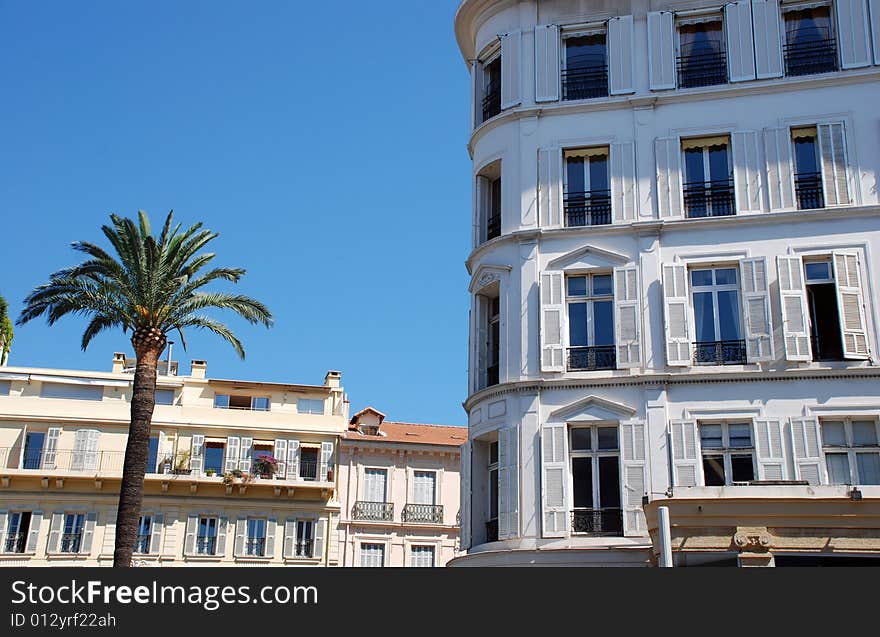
[(487, 274), (752, 539), (579, 259), (592, 408)]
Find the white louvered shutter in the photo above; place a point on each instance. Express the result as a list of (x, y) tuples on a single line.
[(156, 530), (88, 533), (623, 182), (685, 455), (676, 307), (287, 550), (476, 109), (197, 450), (747, 171), (320, 538), (550, 187), (280, 455), (90, 461), (465, 497), (271, 528), (164, 451), (326, 459), (244, 460), (740, 41), (50, 448), (661, 50), (756, 309), (80, 441), (627, 317), (875, 28), (793, 300), (222, 533), (768, 38), (233, 453), (511, 69), (293, 459), (56, 527), (554, 478), (547, 63), (807, 449), (851, 306), (508, 483), (780, 172), (634, 483), (34, 531), (553, 321), (189, 538), (668, 155), (4, 515), (770, 449), (832, 149), (855, 39), (240, 537), (620, 55)]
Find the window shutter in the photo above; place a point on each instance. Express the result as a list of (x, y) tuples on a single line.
[(271, 526), (634, 483), (620, 55), (511, 69), (109, 540), (676, 306), (293, 459), (80, 441), (668, 152), (156, 533), (320, 538), (55, 529), (852, 25), (508, 482), (806, 445), (685, 461), (550, 187), (197, 449), (554, 475), (34, 531), (768, 38), (546, 63), (627, 317), (756, 309), (875, 28), (834, 170), (623, 182), (780, 174), (233, 446), (189, 540), (280, 454), (50, 447), (552, 321), (747, 171), (222, 531), (793, 300), (240, 533), (740, 41), (661, 50), (770, 450), (287, 550), (164, 452), (476, 112), (3, 522), (465, 498), (90, 462), (851, 306), (88, 533), (326, 457), (247, 447)]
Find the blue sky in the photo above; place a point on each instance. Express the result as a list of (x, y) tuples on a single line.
[(325, 142)]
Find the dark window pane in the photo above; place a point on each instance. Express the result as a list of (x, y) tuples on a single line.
[(704, 317), (493, 452), (582, 482), (868, 465), (602, 285), (152, 454), (729, 316), (598, 172), (609, 483), (575, 168), (838, 468), (603, 322), (694, 170), (577, 324), (742, 467), (214, 457), (713, 471), (33, 450), (805, 158), (719, 168), (864, 433), (577, 286), (586, 52), (710, 437), (701, 277), (740, 435), (818, 271), (493, 494), (607, 438), (581, 439)]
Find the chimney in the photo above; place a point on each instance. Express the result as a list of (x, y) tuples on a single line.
[(199, 369), (332, 379), (118, 362)]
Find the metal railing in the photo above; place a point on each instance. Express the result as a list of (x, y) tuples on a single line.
[(308, 471), (429, 513), (206, 545), (810, 56), (375, 511), (492, 530), (592, 208), (720, 353), (62, 460), (492, 101), (586, 358), (585, 82), (70, 542), (142, 544), (702, 69), (255, 546), (493, 227), (709, 199), (304, 548), (14, 542), (808, 190), (606, 521)]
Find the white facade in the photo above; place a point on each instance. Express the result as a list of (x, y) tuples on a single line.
[(648, 272)]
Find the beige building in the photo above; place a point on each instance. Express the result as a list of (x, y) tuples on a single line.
[(62, 441), (399, 490)]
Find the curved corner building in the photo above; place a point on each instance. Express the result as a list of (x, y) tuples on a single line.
[(673, 281)]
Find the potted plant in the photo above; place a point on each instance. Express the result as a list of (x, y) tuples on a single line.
[(182, 467), (210, 472), (265, 466)]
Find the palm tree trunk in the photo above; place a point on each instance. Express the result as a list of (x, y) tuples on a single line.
[(131, 492)]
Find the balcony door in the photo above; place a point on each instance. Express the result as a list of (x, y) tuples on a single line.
[(424, 487), (375, 485), (717, 317), (595, 473)]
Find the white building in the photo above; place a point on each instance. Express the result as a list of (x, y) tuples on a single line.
[(674, 281)]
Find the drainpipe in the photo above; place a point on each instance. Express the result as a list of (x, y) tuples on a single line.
[(665, 535)]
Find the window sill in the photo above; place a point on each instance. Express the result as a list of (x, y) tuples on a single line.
[(256, 559), (67, 556), (203, 558), (302, 560), (17, 556)]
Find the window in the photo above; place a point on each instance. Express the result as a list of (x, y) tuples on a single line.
[(310, 406), (587, 199), (590, 300), (71, 392), (255, 543), (717, 317), (251, 403), (424, 487), (728, 453), (213, 458), (585, 72), (852, 451), (308, 463), (305, 539), (702, 60), (708, 177), (809, 40), (18, 524), (595, 479), (206, 540), (71, 536), (5, 387), (488, 205), (145, 533), (375, 485), (423, 556), (823, 311), (372, 555), (164, 396), (808, 170), (491, 87), (488, 307), (153, 455), (492, 520), (493, 345), (33, 449)]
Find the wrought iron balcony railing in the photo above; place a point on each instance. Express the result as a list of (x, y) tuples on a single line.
[(62, 460), (808, 190), (702, 69), (70, 542), (492, 102), (709, 199), (428, 513), (585, 82), (493, 227), (588, 358), (308, 471), (255, 546), (810, 56), (14, 542), (206, 545), (373, 511), (492, 530), (142, 544), (606, 521), (720, 353), (591, 208), (304, 548)]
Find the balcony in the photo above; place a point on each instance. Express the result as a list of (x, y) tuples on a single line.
[(70, 542), (810, 55), (720, 353), (423, 513), (702, 69), (597, 522), (591, 208), (585, 82), (493, 227), (591, 358), (308, 471), (709, 199), (14, 542), (255, 547), (808, 190), (492, 101), (62, 460), (206, 545), (142, 544), (492, 530), (303, 549), (373, 511)]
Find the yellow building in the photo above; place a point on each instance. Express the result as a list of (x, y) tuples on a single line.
[(62, 442)]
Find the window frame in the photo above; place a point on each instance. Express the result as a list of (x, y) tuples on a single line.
[(198, 535), (414, 548), (258, 523), (714, 289), (312, 524), (78, 515), (8, 532), (490, 54), (726, 451), (384, 470), (717, 15), (803, 5), (372, 543), (582, 31), (149, 536), (594, 453), (490, 468), (850, 449), (310, 411)]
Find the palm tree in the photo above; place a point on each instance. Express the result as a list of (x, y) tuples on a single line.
[(151, 287), (5, 332)]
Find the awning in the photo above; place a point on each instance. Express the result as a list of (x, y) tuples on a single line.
[(80, 380)]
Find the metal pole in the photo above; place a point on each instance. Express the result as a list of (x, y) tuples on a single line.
[(170, 347), (665, 537)]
